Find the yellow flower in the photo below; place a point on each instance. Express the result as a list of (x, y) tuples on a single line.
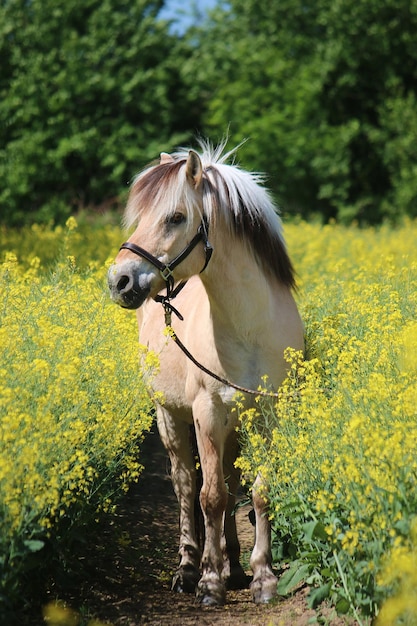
[(71, 223)]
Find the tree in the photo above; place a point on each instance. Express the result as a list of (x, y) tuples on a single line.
[(89, 92), (326, 92)]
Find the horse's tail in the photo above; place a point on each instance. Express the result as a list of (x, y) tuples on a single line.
[(198, 513)]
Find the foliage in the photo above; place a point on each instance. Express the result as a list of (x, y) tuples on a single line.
[(338, 449), (326, 93), (325, 90), (89, 92), (73, 408)]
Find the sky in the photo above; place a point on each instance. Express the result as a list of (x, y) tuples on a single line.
[(185, 12)]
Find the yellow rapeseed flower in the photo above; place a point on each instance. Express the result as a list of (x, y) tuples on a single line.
[(343, 436)]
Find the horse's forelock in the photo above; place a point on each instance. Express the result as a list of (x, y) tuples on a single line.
[(154, 189)]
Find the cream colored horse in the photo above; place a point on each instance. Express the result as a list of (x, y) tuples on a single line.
[(239, 316)]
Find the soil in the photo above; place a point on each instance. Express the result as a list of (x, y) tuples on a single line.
[(123, 576)]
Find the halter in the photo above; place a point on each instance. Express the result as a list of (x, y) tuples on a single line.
[(166, 269)]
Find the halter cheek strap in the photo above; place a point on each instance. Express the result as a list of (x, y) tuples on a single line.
[(166, 269)]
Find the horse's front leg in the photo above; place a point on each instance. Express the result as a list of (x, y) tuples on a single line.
[(233, 572), (175, 437), (211, 590), (264, 584)]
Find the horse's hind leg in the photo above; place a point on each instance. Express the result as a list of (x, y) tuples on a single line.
[(264, 584), (175, 437)]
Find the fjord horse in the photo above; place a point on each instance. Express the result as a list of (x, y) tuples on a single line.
[(238, 314)]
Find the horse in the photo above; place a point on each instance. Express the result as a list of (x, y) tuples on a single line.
[(210, 234)]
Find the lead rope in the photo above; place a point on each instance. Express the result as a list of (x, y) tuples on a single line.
[(169, 309)]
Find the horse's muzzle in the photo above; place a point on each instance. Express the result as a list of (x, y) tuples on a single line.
[(127, 287)]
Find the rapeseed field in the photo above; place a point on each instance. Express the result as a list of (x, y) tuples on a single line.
[(72, 405), (338, 449)]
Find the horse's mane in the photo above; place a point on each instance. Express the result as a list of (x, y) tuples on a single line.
[(236, 197)]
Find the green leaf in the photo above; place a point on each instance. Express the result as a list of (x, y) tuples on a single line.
[(342, 606), (34, 545), (402, 526), (314, 530), (317, 596), (292, 577)]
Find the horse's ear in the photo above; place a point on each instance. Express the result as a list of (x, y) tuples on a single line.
[(194, 169), (165, 158)]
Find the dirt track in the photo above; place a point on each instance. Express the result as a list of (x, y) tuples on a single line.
[(123, 577)]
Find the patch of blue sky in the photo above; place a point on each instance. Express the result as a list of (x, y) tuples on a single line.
[(185, 13)]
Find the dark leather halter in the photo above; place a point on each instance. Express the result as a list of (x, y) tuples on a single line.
[(166, 269)]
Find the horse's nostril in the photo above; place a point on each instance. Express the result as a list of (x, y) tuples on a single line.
[(123, 283)]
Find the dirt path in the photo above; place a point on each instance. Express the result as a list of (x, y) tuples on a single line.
[(124, 575)]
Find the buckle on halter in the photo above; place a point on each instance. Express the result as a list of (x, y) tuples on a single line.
[(166, 273), (167, 315)]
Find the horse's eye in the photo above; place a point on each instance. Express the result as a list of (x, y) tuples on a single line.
[(177, 218)]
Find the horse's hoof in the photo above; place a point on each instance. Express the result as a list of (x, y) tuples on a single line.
[(209, 601), (185, 579), (264, 590), (211, 593)]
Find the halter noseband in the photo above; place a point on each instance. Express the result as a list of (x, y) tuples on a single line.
[(166, 269)]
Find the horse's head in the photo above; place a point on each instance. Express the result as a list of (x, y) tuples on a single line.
[(170, 240)]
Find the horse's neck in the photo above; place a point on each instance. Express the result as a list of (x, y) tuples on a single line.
[(240, 294)]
